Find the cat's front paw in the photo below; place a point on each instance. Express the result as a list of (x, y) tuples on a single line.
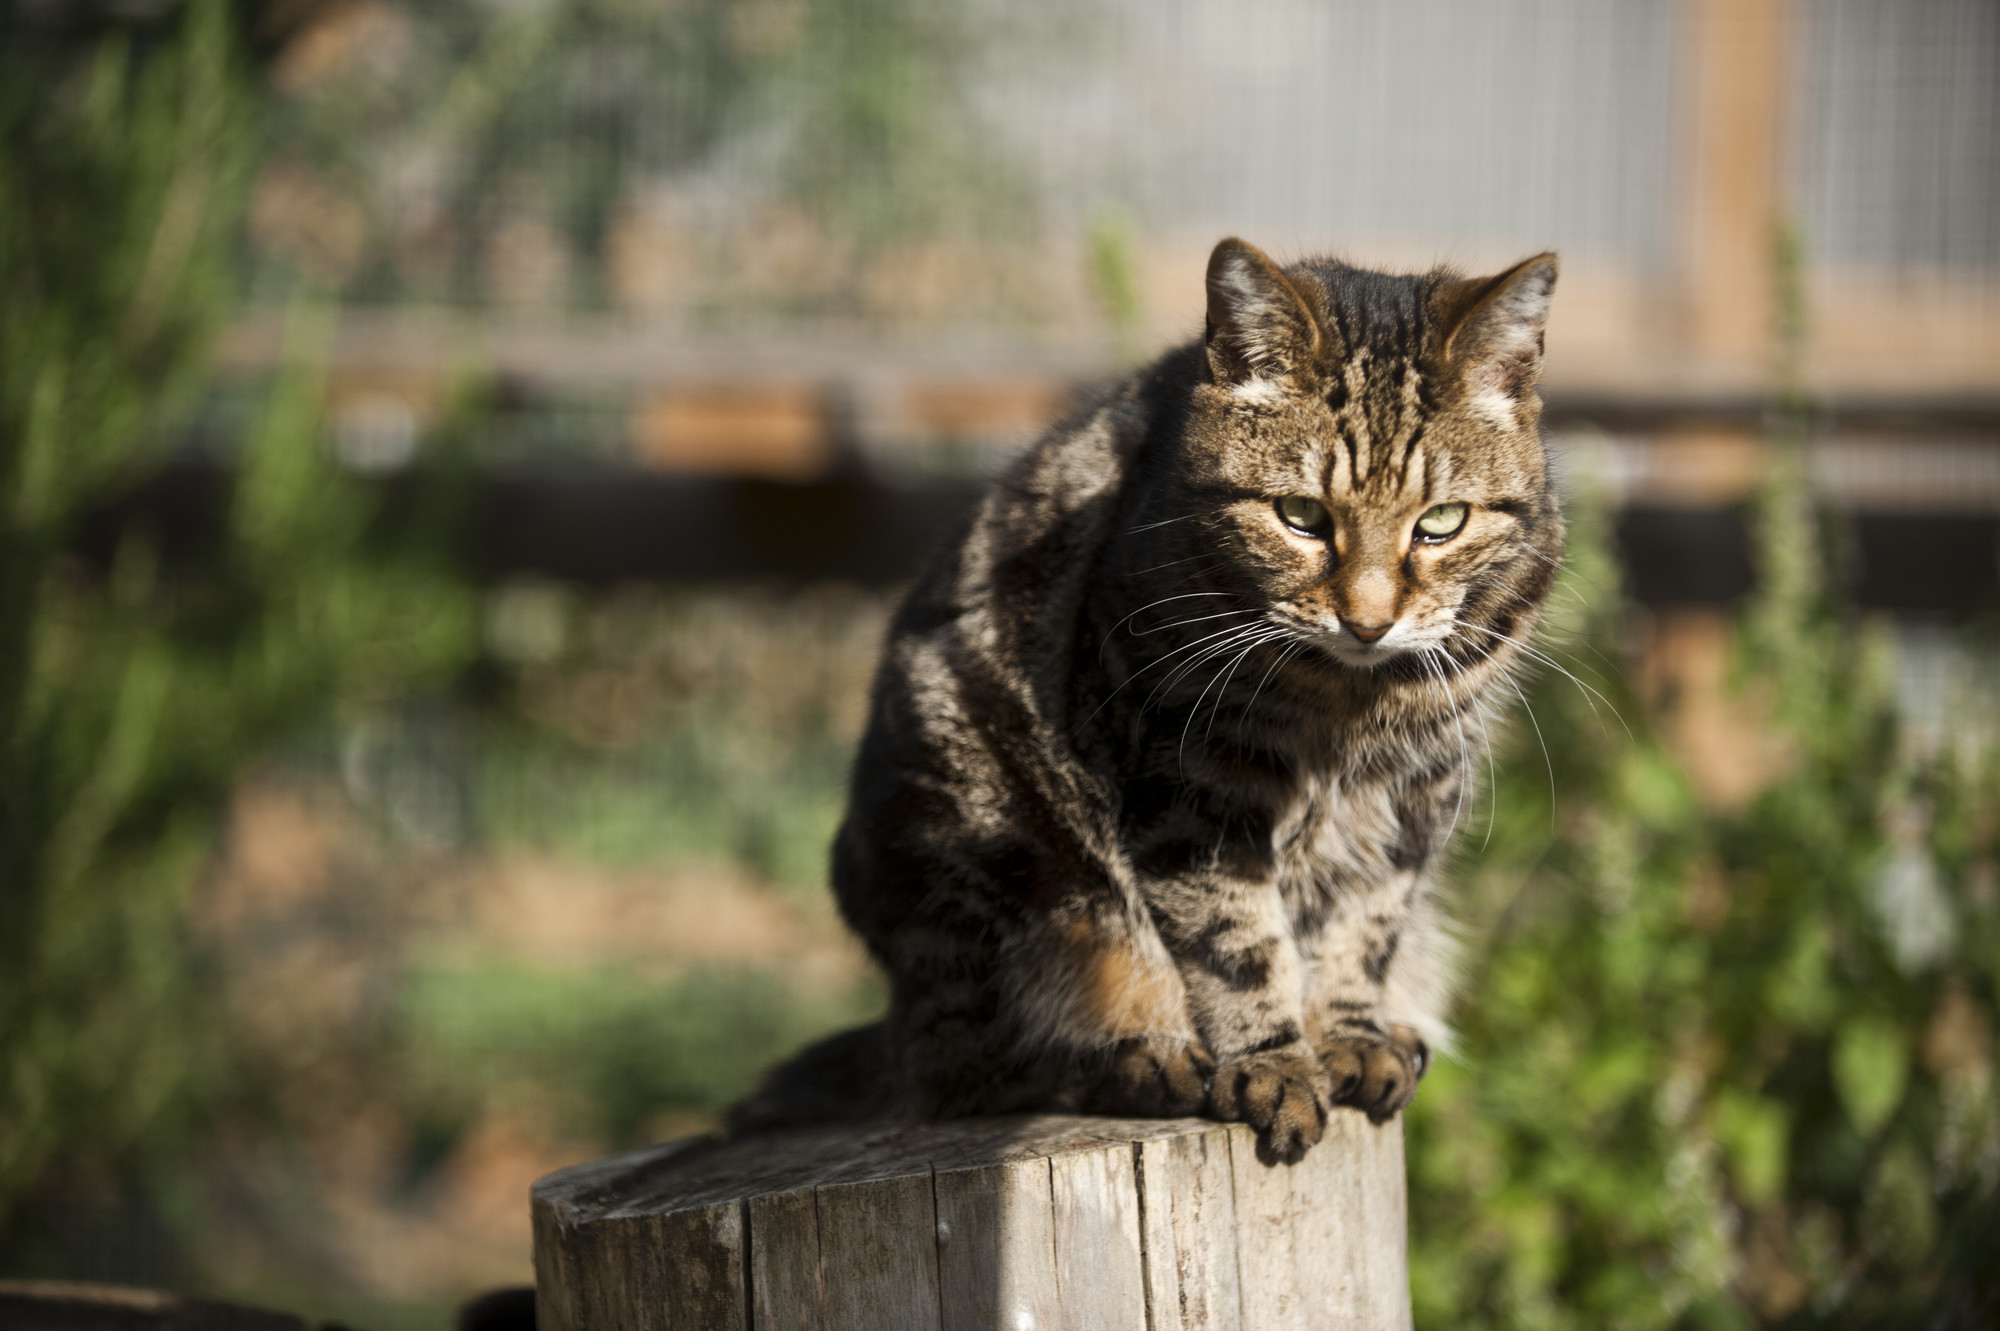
[(1282, 1093), (1154, 1078), (1376, 1074)]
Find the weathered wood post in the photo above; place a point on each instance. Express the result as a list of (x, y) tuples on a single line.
[(1012, 1224)]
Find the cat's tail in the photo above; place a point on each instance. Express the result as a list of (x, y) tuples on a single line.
[(843, 1078)]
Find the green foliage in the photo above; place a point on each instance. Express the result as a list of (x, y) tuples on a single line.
[(677, 725), (131, 693), (1706, 1077), (706, 791), (614, 1049)]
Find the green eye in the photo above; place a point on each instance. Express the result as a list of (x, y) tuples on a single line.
[(1305, 516), (1441, 521)]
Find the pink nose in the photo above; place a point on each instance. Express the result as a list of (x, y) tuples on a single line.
[(1368, 632)]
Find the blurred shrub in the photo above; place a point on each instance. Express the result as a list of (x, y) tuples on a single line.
[(1723, 1069), (130, 691), (711, 157), (611, 1052), (678, 725)]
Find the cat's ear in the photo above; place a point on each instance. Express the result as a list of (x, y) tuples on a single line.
[(1493, 338), (1259, 326)]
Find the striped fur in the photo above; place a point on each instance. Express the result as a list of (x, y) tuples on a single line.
[(1141, 824)]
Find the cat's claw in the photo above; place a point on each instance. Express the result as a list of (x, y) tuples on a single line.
[(1282, 1093), (1376, 1075)]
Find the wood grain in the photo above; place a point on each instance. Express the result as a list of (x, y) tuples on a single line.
[(1187, 1190), (878, 1248), (787, 1280), (997, 1247), (1100, 1276)]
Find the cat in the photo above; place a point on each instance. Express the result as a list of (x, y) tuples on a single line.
[(1163, 750)]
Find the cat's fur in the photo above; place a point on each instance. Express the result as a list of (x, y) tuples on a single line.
[(1147, 813)]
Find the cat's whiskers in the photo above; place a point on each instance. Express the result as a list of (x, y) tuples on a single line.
[(1183, 596), (1492, 778), (1547, 761), (1200, 659), (1164, 522), (1272, 636), (1445, 662), (1171, 563), (1283, 656), (1432, 668), (1255, 640), (1158, 660), (1536, 654), (1199, 619), (1518, 598), (1564, 566), (1105, 645)]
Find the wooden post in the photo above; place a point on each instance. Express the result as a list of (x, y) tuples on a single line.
[(1736, 104), (1013, 1224)]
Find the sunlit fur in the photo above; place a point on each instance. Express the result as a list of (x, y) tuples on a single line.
[(1154, 785)]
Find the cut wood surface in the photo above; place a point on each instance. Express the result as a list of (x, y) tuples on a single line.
[(1018, 1224)]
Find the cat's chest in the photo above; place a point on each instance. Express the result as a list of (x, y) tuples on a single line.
[(1337, 839)]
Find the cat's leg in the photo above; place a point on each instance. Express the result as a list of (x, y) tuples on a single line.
[(1198, 842), (1000, 1009), (1373, 1058), (1232, 941), (942, 1016), (1097, 992)]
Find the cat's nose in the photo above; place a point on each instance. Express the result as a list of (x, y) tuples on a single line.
[(1368, 632)]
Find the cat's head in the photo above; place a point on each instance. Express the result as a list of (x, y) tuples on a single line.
[(1370, 445)]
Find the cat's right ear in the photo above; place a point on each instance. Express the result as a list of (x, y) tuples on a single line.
[(1259, 326)]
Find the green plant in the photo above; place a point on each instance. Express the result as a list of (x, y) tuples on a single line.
[(133, 689), (1712, 1072)]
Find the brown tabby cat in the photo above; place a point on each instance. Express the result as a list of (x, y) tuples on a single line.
[(1163, 751)]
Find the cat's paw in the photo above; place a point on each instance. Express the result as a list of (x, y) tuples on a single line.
[(1282, 1093), (1376, 1074), (1154, 1078)]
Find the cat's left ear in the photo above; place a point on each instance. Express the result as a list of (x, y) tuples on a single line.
[(1493, 342), (1259, 326)]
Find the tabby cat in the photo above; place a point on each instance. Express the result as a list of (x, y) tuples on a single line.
[(1163, 750)]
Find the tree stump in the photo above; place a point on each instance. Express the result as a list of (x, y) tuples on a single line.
[(1014, 1224)]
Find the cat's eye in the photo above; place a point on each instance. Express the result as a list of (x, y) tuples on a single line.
[(1306, 516), (1441, 521)]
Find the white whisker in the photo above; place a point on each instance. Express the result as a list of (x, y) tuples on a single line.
[(1184, 596), (1172, 563), (1492, 778), (1547, 761), (1163, 522), (1432, 668), (1591, 696), (1200, 659), (1199, 619), (1165, 657), (1222, 677), (1272, 636), (1280, 659)]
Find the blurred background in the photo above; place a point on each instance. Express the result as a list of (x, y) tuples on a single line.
[(457, 460)]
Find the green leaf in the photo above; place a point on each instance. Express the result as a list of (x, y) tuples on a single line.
[(1754, 1131), (1871, 1066)]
